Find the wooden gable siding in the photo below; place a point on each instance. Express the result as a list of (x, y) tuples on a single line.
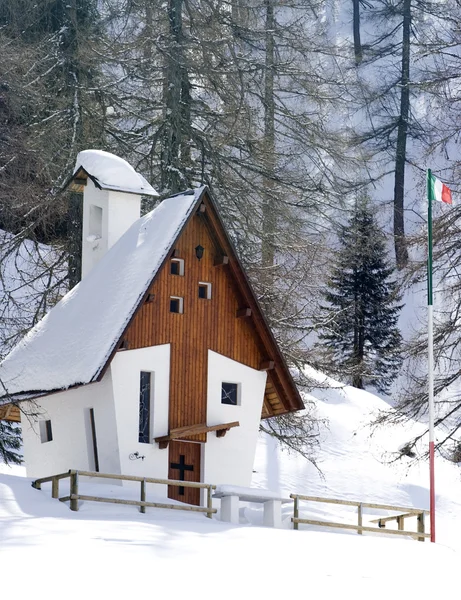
[(272, 402), (205, 324)]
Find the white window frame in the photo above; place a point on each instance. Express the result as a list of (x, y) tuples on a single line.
[(180, 262), (207, 285), (181, 305)]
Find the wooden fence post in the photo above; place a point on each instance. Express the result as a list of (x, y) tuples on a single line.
[(400, 522), (55, 488), (421, 528), (295, 512), (360, 518), (74, 490), (209, 501), (142, 509)]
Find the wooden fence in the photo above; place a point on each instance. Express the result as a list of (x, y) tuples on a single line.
[(404, 512), (74, 495), (360, 528)]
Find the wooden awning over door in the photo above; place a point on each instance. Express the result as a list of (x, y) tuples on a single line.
[(184, 432)]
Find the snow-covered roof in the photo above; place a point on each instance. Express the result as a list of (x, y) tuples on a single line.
[(73, 342), (111, 172)]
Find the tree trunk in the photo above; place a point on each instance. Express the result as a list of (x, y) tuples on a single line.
[(401, 251), (359, 341), (74, 237), (240, 13), (356, 28), (75, 208), (148, 32), (176, 141), (268, 206)]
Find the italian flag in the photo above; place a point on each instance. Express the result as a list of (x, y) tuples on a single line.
[(436, 190)]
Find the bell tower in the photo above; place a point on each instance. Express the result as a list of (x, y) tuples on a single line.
[(112, 192)]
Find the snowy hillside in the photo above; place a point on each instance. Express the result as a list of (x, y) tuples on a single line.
[(107, 551), (359, 466)]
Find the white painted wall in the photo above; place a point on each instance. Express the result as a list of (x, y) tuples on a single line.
[(126, 367), (119, 212), (115, 400), (229, 460), (71, 447)]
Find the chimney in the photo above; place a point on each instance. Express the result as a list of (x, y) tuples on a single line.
[(112, 192)]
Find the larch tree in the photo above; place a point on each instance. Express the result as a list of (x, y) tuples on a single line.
[(434, 131), (412, 401), (238, 96), (396, 125), (242, 96), (49, 110)]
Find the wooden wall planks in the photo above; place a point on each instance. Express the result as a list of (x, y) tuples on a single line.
[(205, 324)]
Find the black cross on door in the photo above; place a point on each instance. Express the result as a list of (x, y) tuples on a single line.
[(182, 468), (184, 465)]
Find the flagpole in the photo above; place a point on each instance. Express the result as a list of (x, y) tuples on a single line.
[(430, 344)]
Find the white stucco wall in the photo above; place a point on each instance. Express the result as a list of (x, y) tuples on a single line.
[(115, 400), (230, 459), (126, 368), (119, 212), (72, 446)]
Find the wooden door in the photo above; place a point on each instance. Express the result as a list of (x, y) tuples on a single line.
[(184, 465)]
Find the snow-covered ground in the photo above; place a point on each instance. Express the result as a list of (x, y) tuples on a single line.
[(110, 551)]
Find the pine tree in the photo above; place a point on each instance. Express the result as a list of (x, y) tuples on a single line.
[(359, 327), (10, 443)]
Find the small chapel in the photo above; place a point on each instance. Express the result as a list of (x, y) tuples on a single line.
[(159, 363)]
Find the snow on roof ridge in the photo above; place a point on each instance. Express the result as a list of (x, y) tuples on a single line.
[(113, 172)]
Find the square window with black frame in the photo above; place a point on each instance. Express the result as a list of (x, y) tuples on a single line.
[(144, 406), (229, 393)]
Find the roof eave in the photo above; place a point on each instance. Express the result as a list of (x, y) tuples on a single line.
[(104, 186), (294, 398)]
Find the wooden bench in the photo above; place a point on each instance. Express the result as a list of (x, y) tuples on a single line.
[(232, 495)]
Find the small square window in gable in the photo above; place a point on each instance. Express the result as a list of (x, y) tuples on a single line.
[(230, 393), (177, 266), (176, 304), (204, 290)]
